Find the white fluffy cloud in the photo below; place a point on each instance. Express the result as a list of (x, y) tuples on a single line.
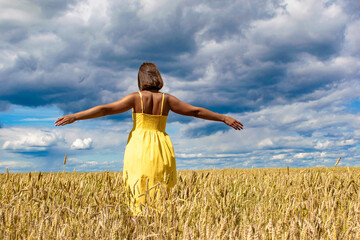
[(82, 144), (267, 142), (35, 140)]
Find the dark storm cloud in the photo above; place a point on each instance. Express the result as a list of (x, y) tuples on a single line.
[(53, 8), (226, 56), (206, 130)]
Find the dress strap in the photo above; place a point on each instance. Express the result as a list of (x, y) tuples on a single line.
[(162, 103), (142, 107)]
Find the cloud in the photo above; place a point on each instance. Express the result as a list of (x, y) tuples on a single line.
[(279, 156), (91, 165), (287, 69), (35, 141), (320, 128), (267, 142), (15, 164), (229, 57), (58, 141), (347, 142), (200, 128), (71, 161), (323, 144), (310, 155), (189, 155), (300, 27), (82, 144), (38, 119)]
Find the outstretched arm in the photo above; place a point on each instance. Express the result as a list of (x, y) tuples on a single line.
[(186, 109), (120, 106)]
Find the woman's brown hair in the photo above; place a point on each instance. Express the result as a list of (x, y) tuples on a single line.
[(149, 77)]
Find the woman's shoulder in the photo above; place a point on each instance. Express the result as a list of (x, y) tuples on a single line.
[(168, 95), (132, 95)]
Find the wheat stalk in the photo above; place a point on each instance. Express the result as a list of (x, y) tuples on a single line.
[(64, 162), (337, 161)]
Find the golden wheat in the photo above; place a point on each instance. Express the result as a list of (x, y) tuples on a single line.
[(315, 203)]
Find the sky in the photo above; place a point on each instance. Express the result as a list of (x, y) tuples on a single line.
[(288, 70)]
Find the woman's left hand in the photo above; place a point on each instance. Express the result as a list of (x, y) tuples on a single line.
[(68, 119), (233, 123)]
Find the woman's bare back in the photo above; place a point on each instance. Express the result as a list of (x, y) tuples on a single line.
[(151, 103)]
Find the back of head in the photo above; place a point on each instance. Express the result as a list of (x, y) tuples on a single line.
[(149, 77)]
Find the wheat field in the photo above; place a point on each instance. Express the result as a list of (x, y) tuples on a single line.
[(312, 203)]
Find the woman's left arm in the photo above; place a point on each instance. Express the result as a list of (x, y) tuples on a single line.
[(120, 106)]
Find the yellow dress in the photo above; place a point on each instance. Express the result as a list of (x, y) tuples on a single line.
[(149, 159)]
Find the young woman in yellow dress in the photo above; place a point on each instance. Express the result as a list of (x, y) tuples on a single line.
[(149, 158)]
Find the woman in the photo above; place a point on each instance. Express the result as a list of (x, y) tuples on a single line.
[(149, 155)]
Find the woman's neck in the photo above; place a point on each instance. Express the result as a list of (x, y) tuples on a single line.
[(152, 90)]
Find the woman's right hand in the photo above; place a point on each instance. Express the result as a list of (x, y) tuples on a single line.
[(65, 120), (233, 123)]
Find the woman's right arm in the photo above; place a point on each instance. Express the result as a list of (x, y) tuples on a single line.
[(119, 106), (186, 109)]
